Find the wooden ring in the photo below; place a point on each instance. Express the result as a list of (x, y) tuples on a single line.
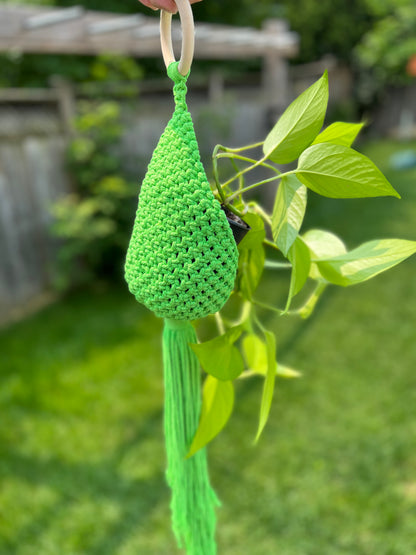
[(188, 36)]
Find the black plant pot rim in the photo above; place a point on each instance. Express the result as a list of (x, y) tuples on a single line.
[(238, 226)]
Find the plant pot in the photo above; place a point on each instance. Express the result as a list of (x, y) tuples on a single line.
[(238, 226)]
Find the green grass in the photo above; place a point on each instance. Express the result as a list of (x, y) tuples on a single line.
[(82, 455)]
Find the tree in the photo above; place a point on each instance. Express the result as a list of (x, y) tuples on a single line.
[(386, 48)]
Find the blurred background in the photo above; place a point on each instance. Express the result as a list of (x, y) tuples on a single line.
[(84, 98)]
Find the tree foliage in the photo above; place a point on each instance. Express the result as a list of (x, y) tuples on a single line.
[(379, 36), (94, 221), (324, 26), (387, 46), (328, 26)]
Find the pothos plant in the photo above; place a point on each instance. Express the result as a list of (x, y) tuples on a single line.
[(327, 165)]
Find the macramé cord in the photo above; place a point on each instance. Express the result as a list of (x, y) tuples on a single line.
[(181, 263), (182, 258), (193, 500)]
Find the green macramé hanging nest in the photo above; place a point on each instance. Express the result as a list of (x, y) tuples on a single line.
[(181, 263), (182, 258)]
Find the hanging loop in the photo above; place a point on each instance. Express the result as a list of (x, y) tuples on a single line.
[(188, 36)]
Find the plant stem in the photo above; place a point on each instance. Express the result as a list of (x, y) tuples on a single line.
[(215, 157), (215, 174), (234, 210), (243, 318), (270, 244), (239, 149), (248, 374), (245, 159), (240, 179), (253, 186), (277, 265), (242, 172), (220, 323), (306, 310), (267, 307), (245, 315), (256, 318)]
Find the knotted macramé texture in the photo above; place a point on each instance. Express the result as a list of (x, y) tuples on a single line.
[(182, 258)]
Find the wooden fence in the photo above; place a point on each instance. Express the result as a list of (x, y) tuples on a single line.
[(34, 128), (32, 176)]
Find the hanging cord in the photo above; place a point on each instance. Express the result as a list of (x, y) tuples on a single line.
[(193, 500), (179, 88)]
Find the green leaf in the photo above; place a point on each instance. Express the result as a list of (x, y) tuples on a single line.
[(287, 372), (255, 353), (366, 261), (322, 244), (306, 310), (288, 212), (255, 236), (268, 387), (234, 333), (339, 133), (252, 256), (337, 171), (300, 258), (219, 357), (299, 124), (217, 406), (250, 268)]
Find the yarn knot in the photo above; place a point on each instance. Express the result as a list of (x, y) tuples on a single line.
[(179, 88)]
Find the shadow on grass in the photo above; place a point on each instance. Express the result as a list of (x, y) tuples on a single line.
[(100, 481)]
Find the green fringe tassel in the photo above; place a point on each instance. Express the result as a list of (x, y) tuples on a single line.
[(193, 500)]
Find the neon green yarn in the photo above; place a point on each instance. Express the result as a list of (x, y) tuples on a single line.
[(193, 500), (181, 263), (182, 258)]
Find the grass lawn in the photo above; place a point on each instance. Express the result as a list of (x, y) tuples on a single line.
[(81, 439)]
